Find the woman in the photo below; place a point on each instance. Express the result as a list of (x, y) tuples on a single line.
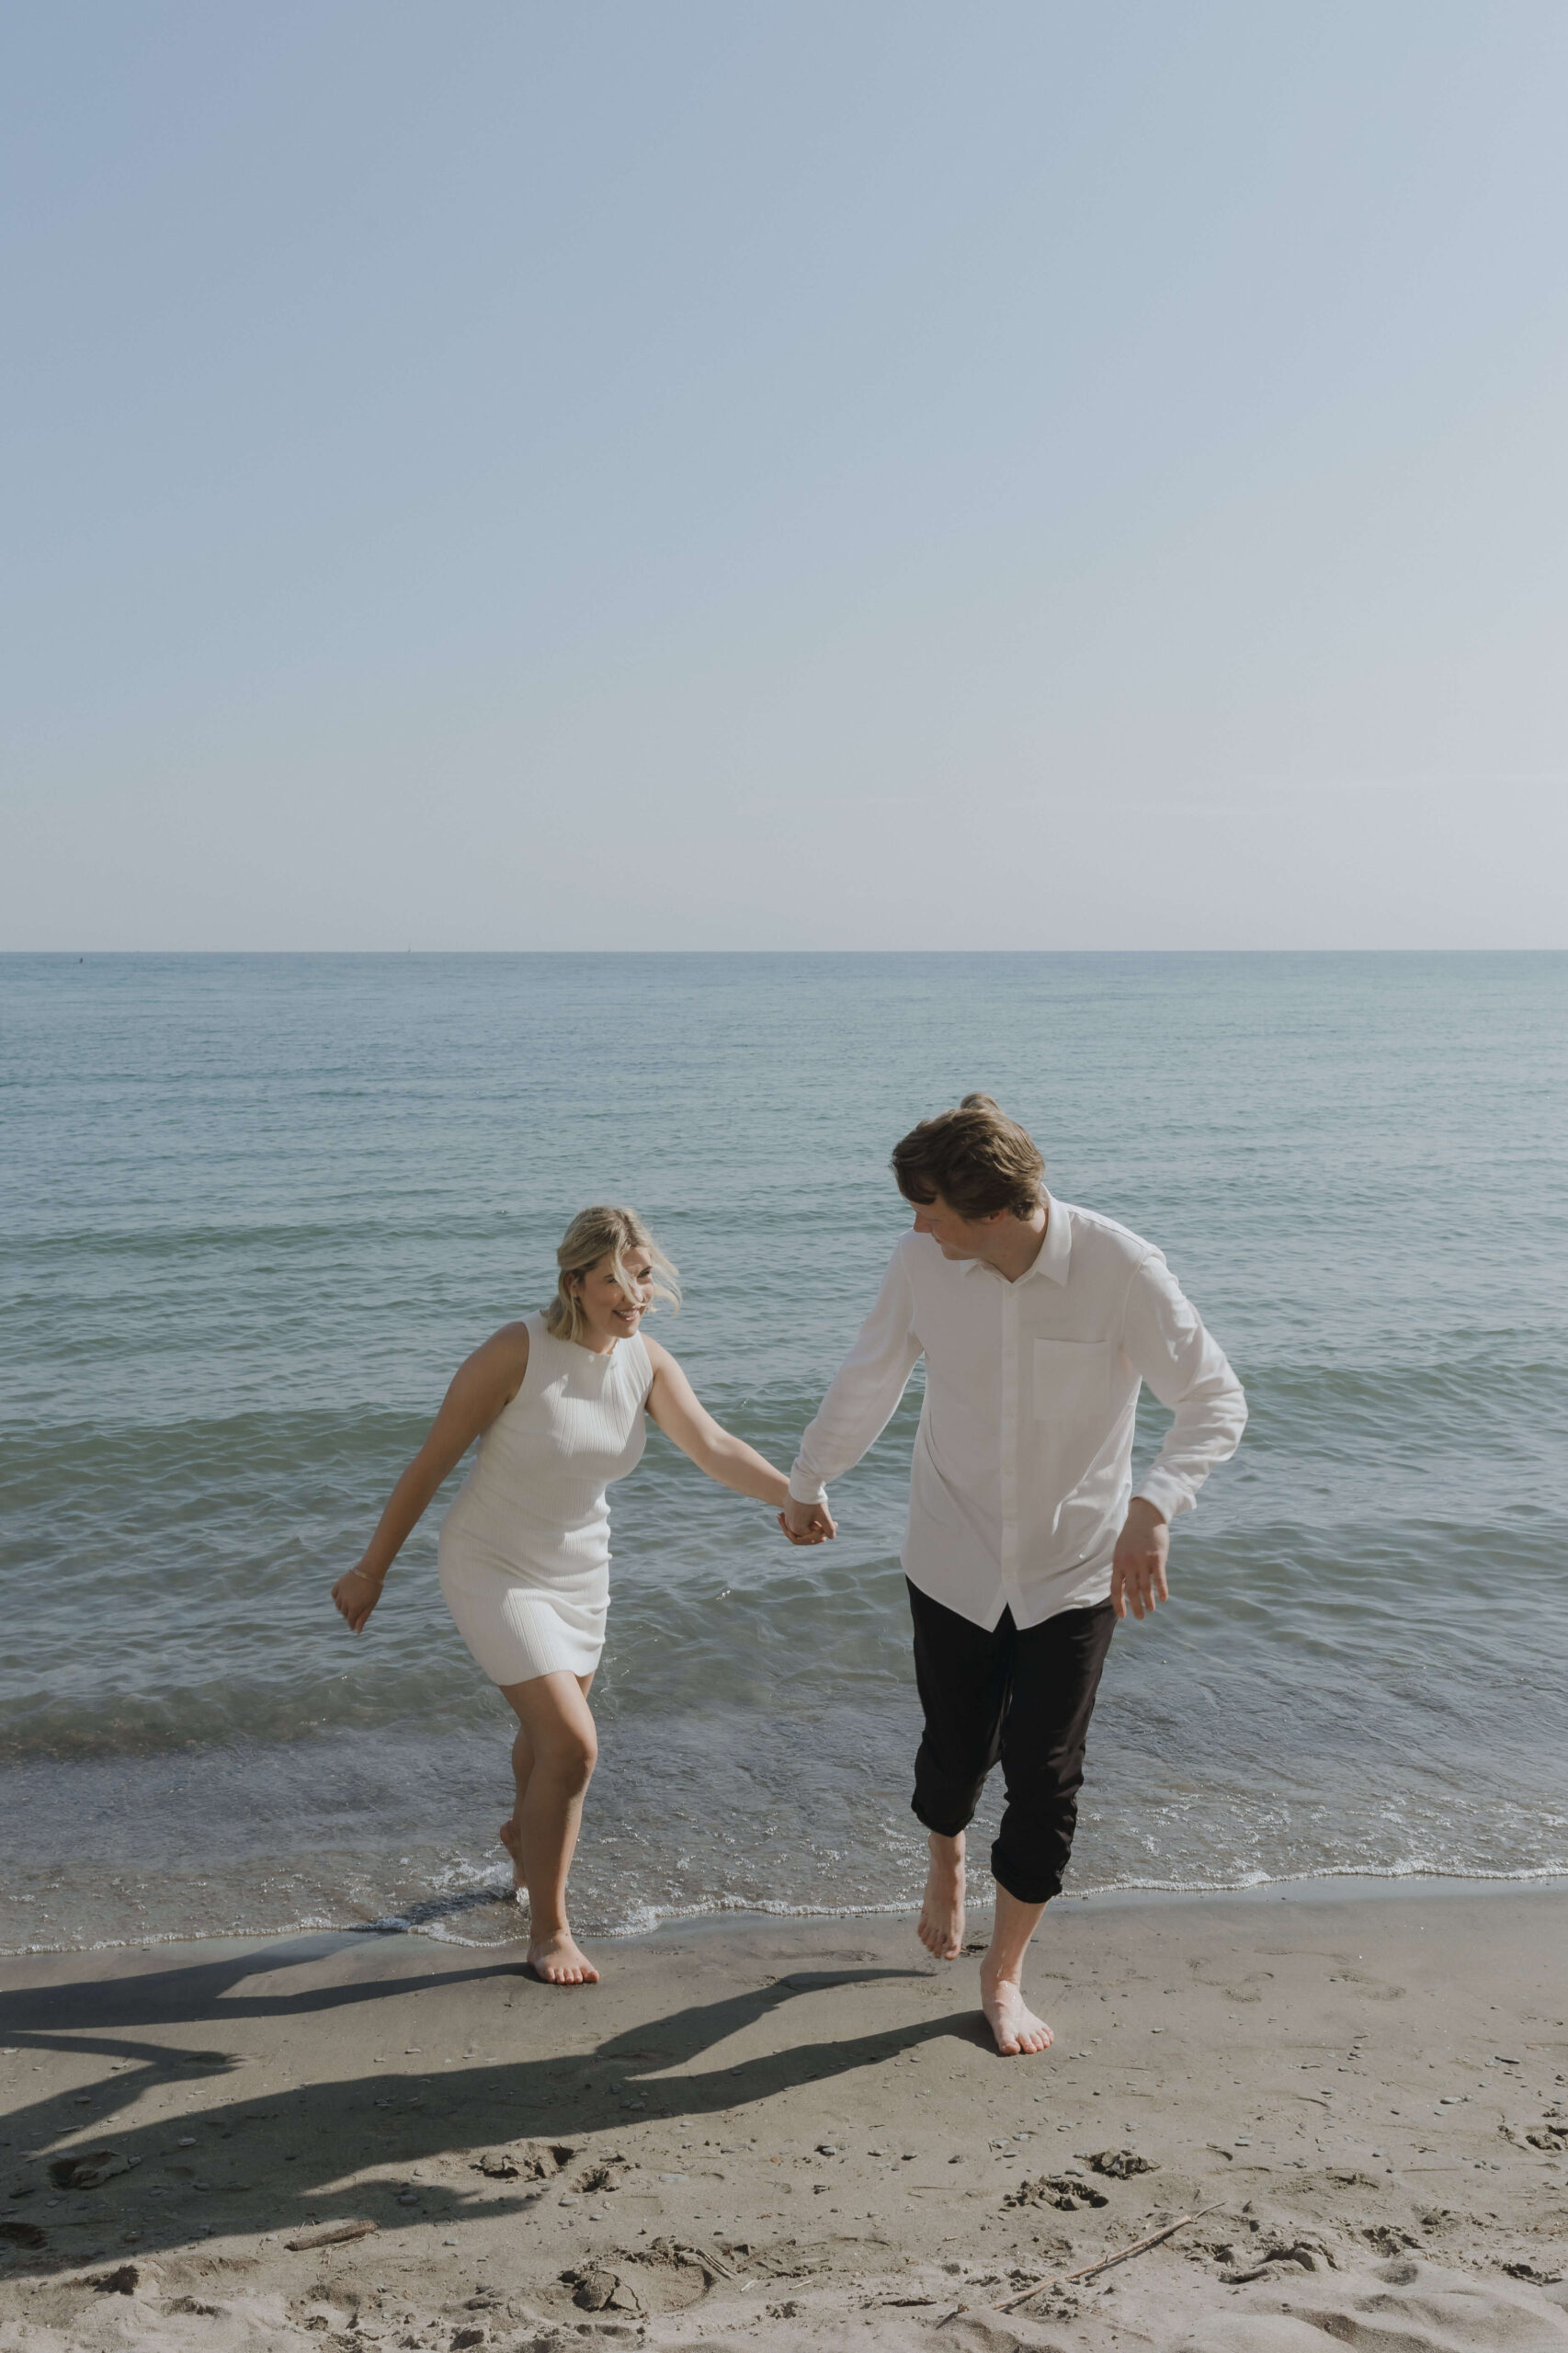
[(557, 1403)]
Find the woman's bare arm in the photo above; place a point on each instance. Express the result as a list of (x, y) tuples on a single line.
[(687, 1422), (483, 1385)]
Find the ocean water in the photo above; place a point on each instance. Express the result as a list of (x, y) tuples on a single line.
[(256, 1208)]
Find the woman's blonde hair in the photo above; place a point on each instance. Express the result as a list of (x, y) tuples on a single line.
[(603, 1232)]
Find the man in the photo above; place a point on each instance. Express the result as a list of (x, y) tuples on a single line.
[(1026, 1540)]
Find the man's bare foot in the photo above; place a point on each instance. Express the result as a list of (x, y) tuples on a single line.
[(557, 1960), (509, 1840), (1010, 2018), (941, 1911)]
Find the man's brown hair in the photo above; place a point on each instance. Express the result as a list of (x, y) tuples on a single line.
[(975, 1158)]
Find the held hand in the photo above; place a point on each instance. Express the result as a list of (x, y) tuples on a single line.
[(807, 1523), (1138, 1571), (356, 1595)]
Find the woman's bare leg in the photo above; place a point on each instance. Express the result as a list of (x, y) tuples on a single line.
[(522, 1766), (562, 1750)]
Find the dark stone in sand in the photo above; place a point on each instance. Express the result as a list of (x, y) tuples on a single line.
[(87, 2168), (1121, 2165), (596, 2177), (123, 2280), (1058, 2190), (527, 2164), (1305, 2257), (594, 2288)]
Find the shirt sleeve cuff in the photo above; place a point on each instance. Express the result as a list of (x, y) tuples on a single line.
[(805, 1487), (1168, 1495)]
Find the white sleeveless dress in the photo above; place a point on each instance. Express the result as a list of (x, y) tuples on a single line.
[(524, 1550)]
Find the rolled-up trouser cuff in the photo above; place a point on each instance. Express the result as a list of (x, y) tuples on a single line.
[(1026, 1886)]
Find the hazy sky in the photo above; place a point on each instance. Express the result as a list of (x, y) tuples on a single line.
[(723, 474)]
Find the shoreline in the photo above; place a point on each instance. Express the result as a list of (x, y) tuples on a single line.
[(1344, 1886), (798, 2127)]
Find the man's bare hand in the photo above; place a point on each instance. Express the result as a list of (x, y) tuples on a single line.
[(1138, 1571), (807, 1523)]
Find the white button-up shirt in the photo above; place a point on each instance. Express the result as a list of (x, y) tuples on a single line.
[(1023, 1461)]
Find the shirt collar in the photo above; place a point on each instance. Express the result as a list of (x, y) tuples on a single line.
[(1055, 1251)]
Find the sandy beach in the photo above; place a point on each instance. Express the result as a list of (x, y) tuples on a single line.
[(794, 2133)]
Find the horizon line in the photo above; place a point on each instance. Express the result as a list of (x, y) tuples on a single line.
[(476, 954)]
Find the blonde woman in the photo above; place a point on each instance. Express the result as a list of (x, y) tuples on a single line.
[(557, 1403)]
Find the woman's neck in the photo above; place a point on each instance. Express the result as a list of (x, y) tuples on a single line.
[(601, 1344)]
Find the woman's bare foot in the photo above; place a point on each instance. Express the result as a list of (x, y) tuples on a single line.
[(1010, 2017), (509, 1840), (557, 1960), (941, 1911)]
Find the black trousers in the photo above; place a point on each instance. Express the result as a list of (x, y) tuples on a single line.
[(1023, 1698)]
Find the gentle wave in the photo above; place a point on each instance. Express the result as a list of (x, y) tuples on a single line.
[(433, 1918)]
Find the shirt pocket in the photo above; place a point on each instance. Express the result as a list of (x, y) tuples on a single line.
[(1071, 1386)]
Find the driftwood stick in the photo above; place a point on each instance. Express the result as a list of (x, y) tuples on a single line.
[(335, 2236), (1106, 2263), (711, 2264)]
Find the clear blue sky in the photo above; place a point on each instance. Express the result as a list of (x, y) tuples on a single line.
[(689, 474)]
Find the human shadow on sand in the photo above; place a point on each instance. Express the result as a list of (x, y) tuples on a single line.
[(286, 2161)]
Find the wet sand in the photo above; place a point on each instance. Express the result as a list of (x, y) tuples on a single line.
[(796, 2134)]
